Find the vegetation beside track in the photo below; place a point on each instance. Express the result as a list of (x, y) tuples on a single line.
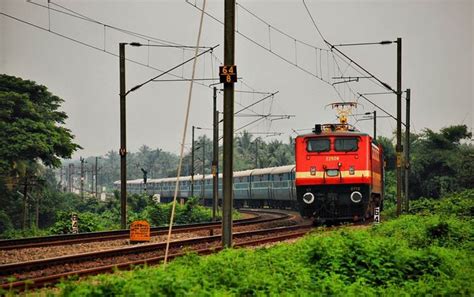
[(100, 216), (427, 253)]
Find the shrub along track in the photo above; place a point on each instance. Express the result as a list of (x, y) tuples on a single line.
[(38, 273)]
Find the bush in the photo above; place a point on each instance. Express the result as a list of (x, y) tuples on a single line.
[(459, 204), (425, 231), (430, 254), (338, 263), (5, 223), (87, 222), (190, 212)]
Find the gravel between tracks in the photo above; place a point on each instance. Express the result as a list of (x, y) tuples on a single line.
[(29, 254), (63, 268)]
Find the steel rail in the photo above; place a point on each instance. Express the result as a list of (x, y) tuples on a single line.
[(28, 266), (64, 239), (296, 231)]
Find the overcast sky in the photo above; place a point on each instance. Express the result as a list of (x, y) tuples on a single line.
[(437, 63)]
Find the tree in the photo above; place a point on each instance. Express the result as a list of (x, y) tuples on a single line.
[(32, 136), (31, 127), (388, 152), (441, 163)]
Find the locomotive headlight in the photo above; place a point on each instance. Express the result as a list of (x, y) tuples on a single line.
[(308, 198), (313, 170), (356, 197)]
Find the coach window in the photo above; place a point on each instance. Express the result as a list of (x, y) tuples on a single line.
[(318, 145), (346, 144)]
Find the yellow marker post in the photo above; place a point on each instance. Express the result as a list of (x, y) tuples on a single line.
[(139, 231)]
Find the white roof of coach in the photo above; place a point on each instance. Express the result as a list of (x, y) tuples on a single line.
[(283, 169), (243, 173), (262, 171)]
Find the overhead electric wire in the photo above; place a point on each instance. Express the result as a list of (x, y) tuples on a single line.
[(349, 63), (276, 29), (314, 22), (264, 98), (89, 45), (169, 70), (75, 14), (386, 112), (262, 46)]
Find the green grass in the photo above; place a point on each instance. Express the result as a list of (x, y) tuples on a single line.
[(428, 254)]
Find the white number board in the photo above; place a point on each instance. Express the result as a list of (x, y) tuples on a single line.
[(75, 224), (377, 215)]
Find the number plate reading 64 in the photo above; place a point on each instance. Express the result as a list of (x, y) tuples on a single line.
[(139, 231), (228, 74)]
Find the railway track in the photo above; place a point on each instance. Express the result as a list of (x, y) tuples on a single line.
[(38, 273), (67, 239)]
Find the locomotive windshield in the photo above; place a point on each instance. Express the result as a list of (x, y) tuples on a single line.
[(346, 144), (318, 145)]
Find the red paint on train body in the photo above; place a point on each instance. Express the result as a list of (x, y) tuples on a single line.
[(339, 173)]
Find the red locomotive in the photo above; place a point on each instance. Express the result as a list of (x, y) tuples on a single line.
[(339, 173)]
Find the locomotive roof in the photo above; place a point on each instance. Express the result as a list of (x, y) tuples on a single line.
[(335, 133)]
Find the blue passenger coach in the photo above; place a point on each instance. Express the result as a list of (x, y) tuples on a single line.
[(272, 187)]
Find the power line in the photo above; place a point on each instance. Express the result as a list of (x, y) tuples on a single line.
[(386, 112), (91, 46), (276, 29), (314, 22), (263, 46), (264, 98), (166, 43), (169, 70), (83, 17)]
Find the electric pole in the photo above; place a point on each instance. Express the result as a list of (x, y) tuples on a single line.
[(399, 148), (215, 157), (229, 52), (82, 177), (145, 178), (256, 153), (123, 140), (192, 163), (96, 177), (203, 167), (375, 125), (70, 180), (407, 151), (61, 178)]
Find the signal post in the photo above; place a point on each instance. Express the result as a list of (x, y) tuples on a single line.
[(228, 76)]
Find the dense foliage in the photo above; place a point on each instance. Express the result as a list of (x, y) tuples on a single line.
[(31, 125), (95, 215), (422, 254), (32, 140), (441, 163)]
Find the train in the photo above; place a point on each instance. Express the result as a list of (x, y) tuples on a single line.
[(272, 187), (339, 173)]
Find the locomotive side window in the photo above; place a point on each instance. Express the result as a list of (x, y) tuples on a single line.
[(346, 144), (318, 145)]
